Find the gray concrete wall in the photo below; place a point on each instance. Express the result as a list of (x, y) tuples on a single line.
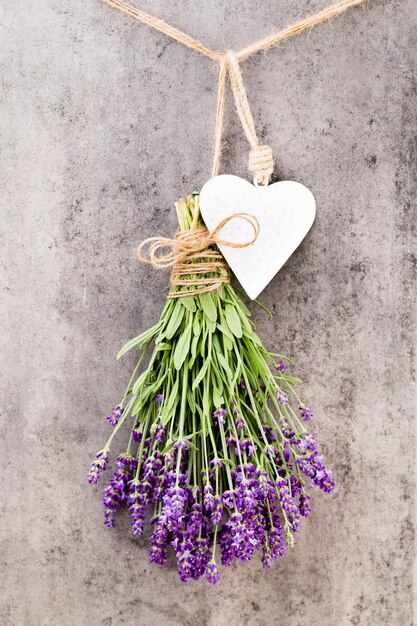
[(103, 125)]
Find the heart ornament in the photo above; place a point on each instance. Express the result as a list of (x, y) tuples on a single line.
[(285, 212)]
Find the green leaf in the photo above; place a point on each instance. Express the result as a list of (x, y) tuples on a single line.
[(217, 397), (233, 320), (138, 384), (246, 323), (216, 343), (211, 325), (225, 365), (243, 307), (142, 338), (190, 400), (175, 320), (167, 409), (182, 347), (201, 374), (196, 326), (225, 331), (191, 445), (194, 345), (161, 347), (208, 306), (189, 303)]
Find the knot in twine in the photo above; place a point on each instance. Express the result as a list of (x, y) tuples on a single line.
[(261, 163), (261, 158), (196, 266)]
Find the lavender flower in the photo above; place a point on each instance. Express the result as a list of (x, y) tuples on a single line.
[(212, 573), (289, 507), (137, 500), (174, 503), (115, 415), (282, 397), (227, 467), (306, 413), (118, 488), (313, 467), (217, 511), (218, 416), (98, 466), (158, 552), (136, 433)]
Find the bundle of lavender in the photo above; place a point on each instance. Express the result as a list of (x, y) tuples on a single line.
[(218, 450)]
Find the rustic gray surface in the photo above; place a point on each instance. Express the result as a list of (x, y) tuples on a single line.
[(103, 125)]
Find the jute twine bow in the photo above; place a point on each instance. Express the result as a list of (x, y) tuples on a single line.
[(193, 251), (194, 260), (261, 162)]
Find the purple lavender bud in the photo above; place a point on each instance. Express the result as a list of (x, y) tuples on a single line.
[(158, 552), (248, 446), (289, 507), (286, 428), (218, 416), (217, 512), (212, 573), (109, 518), (304, 505), (202, 555), (281, 366), (216, 463), (98, 466), (181, 445), (228, 499), (240, 423), (208, 499), (115, 415), (174, 503), (306, 413), (242, 384), (195, 520), (185, 559), (281, 397), (160, 433), (136, 435), (159, 398), (230, 441)]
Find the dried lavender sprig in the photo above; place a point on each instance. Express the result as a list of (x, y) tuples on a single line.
[(216, 449)]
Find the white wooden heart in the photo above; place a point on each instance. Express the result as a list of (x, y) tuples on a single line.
[(285, 212)]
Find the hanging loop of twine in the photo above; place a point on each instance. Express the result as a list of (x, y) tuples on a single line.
[(260, 156), (194, 250), (191, 254)]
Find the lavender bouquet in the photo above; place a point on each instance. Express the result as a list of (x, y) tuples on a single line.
[(218, 451)]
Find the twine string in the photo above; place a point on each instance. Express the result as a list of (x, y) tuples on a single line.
[(197, 267), (260, 156), (191, 253)]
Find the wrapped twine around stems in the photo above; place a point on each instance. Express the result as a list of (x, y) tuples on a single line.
[(195, 263)]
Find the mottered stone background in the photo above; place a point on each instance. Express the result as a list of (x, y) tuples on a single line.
[(103, 125)]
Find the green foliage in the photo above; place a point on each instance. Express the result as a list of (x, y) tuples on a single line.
[(206, 356)]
